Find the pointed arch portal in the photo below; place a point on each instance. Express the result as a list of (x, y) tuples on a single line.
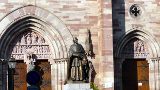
[(136, 61), (34, 29)]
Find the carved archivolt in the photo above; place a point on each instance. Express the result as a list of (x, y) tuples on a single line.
[(29, 43)]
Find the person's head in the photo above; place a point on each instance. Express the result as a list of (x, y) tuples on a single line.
[(75, 40)]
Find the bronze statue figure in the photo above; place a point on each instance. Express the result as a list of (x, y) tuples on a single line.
[(78, 64)]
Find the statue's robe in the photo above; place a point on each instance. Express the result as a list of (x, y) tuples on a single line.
[(76, 54)]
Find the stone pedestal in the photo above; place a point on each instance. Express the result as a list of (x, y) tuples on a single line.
[(77, 86)]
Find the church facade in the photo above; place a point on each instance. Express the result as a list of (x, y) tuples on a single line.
[(120, 38)]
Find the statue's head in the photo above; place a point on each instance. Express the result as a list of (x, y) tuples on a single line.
[(75, 40)]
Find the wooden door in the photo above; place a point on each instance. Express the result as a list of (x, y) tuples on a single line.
[(20, 76), (143, 75), (135, 75), (44, 68)]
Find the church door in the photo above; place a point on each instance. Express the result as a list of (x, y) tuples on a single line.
[(30, 42), (20, 76), (135, 75), (44, 68)]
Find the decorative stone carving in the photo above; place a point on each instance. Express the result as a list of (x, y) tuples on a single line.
[(30, 40), (30, 59), (135, 10), (139, 46), (136, 48)]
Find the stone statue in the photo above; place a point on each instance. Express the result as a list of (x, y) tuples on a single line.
[(31, 62), (29, 39), (139, 46), (76, 65), (30, 59)]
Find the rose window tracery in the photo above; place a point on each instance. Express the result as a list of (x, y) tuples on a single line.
[(135, 10)]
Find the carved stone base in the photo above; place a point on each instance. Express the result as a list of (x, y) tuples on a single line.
[(77, 86)]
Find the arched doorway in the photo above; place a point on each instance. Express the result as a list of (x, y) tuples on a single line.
[(134, 69), (48, 40), (30, 42)]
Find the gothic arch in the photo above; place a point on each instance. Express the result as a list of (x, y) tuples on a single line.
[(44, 23), (37, 20), (139, 35), (119, 58)]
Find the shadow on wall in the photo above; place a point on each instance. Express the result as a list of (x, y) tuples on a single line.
[(127, 51), (91, 55), (118, 23), (89, 46)]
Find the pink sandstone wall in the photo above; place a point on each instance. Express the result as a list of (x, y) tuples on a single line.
[(148, 22), (80, 15)]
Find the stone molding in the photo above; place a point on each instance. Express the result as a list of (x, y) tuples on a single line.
[(138, 35), (41, 21)]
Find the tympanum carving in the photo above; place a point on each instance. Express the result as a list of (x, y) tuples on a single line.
[(136, 48), (29, 40)]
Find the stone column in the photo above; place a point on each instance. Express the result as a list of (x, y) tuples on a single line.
[(53, 74), (65, 69), (158, 73), (3, 75), (153, 74), (62, 68), (58, 73), (56, 76)]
